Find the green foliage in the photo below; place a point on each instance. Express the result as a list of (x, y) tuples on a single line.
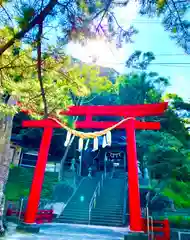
[(179, 192), (3, 2), (19, 182), (161, 3), (65, 82), (140, 60), (175, 126), (80, 20), (140, 88), (164, 152), (180, 222)]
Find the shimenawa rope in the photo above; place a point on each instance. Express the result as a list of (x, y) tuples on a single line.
[(90, 134)]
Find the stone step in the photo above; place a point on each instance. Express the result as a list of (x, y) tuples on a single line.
[(114, 200), (107, 211), (73, 221), (79, 203), (108, 206), (107, 219), (77, 213), (77, 208), (72, 218), (107, 223)]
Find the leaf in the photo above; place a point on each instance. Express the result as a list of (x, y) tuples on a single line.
[(174, 30), (99, 4), (161, 3)]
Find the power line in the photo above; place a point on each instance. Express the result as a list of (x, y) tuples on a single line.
[(178, 65), (171, 54), (145, 22), (156, 63), (171, 63)]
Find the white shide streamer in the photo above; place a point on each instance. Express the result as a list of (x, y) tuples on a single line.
[(68, 137), (108, 138), (81, 143)]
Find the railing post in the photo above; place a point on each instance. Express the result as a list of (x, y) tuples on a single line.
[(20, 210), (147, 217), (152, 228)]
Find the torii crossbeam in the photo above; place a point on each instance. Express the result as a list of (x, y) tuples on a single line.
[(89, 111)]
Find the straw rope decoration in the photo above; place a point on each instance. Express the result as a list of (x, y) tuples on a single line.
[(88, 135)]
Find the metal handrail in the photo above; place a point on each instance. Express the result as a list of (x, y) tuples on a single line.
[(20, 210), (70, 198), (150, 221), (152, 227), (96, 193)]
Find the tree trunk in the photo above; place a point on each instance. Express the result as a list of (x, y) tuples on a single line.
[(62, 163), (5, 159), (39, 67)]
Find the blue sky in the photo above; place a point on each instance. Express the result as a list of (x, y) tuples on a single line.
[(151, 37)]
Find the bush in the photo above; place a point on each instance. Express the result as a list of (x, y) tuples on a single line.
[(181, 222), (179, 192), (19, 183)]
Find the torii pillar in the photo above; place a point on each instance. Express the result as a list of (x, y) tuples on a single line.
[(88, 123)]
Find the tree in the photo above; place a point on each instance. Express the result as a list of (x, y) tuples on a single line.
[(82, 19), (141, 87), (96, 89), (5, 131), (173, 15), (161, 151), (78, 18), (140, 60), (44, 84), (164, 154)]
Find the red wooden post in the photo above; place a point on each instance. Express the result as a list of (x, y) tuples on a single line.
[(133, 182), (35, 191), (166, 229)]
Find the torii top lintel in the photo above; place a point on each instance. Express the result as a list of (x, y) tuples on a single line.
[(89, 111), (122, 111)]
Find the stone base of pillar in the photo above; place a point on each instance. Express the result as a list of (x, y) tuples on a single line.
[(29, 228), (136, 236)]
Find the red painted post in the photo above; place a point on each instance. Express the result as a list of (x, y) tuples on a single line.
[(133, 182), (35, 191), (166, 229)]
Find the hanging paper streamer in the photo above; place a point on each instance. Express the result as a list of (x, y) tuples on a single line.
[(68, 137), (104, 143), (108, 138), (95, 147), (86, 145), (81, 143)]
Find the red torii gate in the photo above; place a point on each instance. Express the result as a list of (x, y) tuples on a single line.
[(89, 112)]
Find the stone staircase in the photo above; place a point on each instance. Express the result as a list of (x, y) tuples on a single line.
[(77, 209), (109, 206), (118, 174)]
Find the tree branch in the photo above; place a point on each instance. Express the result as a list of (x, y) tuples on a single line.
[(9, 17), (105, 11), (37, 20)]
